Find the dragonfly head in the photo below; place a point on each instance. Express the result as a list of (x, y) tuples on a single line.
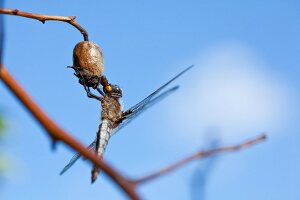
[(113, 90)]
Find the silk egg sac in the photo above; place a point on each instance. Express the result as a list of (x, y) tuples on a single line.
[(88, 63)]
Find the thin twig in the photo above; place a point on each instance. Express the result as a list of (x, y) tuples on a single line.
[(44, 18), (197, 155), (1, 34), (57, 134)]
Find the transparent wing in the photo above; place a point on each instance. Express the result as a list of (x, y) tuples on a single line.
[(149, 101), (136, 108), (75, 158), (133, 112), (141, 109), (123, 124), (92, 146)]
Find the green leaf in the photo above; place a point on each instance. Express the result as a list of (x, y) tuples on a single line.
[(2, 125)]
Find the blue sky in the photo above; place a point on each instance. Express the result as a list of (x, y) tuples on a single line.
[(245, 82)]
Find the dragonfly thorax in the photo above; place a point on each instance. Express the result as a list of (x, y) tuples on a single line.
[(111, 109)]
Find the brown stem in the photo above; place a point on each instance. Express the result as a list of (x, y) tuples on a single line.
[(44, 18), (199, 154), (57, 134)]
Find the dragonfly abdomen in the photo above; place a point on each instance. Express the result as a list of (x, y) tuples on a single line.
[(105, 130), (103, 135)]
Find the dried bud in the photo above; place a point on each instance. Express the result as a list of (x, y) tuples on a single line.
[(88, 63)]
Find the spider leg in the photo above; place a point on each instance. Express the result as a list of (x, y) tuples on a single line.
[(90, 94), (100, 91), (86, 88)]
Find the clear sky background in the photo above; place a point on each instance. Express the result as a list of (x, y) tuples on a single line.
[(246, 81)]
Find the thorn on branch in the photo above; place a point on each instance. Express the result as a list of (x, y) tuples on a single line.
[(15, 11), (44, 18), (72, 17), (54, 144)]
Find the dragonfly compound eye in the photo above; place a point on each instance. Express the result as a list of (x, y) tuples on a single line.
[(116, 91), (88, 63)]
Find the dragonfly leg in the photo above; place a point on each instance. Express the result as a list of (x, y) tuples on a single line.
[(124, 116)]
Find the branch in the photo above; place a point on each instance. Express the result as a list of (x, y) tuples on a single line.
[(57, 134), (44, 18), (197, 155), (128, 186)]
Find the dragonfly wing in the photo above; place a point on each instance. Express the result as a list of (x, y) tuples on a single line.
[(125, 122), (133, 112), (141, 109), (153, 94), (150, 100), (75, 158)]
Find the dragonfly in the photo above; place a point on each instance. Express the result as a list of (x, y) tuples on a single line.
[(113, 118)]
